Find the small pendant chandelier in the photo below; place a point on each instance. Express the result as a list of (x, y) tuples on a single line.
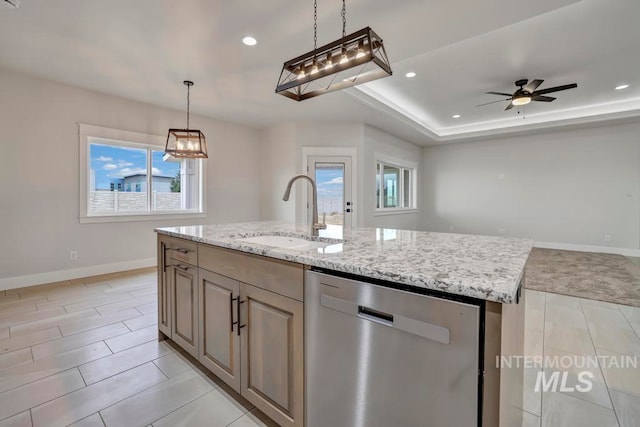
[(186, 143), (356, 58)]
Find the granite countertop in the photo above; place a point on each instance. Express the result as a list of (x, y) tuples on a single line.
[(483, 267)]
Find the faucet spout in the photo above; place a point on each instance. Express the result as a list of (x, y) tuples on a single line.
[(315, 224)]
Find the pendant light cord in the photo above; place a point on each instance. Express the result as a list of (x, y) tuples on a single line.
[(315, 24), (344, 18), (188, 104)]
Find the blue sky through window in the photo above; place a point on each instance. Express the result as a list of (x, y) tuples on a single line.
[(330, 182), (110, 162)]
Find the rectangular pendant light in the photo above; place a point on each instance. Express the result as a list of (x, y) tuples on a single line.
[(186, 143), (357, 58)]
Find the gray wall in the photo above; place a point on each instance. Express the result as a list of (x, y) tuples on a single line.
[(569, 187), (39, 171)]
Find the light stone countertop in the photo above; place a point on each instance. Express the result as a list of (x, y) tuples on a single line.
[(484, 267)]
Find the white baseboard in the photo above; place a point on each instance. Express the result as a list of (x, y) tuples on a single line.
[(74, 273), (588, 248)]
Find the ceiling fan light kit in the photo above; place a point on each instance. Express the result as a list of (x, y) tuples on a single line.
[(528, 92), (355, 58), (186, 143)]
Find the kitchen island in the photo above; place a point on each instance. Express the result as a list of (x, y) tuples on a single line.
[(234, 297)]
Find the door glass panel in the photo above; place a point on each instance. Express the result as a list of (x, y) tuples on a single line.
[(391, 177), (330, 181)]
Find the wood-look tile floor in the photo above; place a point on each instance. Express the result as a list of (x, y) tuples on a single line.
[(85, 353)]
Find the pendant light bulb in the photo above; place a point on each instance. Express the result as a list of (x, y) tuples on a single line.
[(300, 73), (314, 67), (328, 64), (360, 53), (344, 58)]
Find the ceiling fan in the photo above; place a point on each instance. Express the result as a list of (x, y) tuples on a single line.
[(527, 92)]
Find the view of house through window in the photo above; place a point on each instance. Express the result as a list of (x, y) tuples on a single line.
[(139, 179), (394, 186)]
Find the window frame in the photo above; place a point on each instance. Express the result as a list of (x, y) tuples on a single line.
[(381, 161), (88, 134)]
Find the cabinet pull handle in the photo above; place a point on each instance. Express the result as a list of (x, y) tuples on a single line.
[(238, 315), (231, 300), (164, 258), (181, 267), (182, 250)]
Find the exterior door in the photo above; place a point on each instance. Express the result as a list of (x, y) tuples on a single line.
[(272, 354), (332, 175), (184, 297), (219, 333)]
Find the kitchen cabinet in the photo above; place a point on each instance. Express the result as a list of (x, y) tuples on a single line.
[(272, 354), (242, 317), (178, 292), (219, 333), (251, 329)]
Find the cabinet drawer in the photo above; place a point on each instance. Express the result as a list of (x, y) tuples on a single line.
[(183, 251), (282, 277)]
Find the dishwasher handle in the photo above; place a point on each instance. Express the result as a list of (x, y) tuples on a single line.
[(375, 315), (417, 327)]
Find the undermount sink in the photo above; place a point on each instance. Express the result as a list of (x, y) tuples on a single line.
[(288, 242)]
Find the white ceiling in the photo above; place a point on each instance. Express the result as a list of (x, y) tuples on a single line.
[(144, 49)]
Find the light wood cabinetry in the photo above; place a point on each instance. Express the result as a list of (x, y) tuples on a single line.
[(272, 354), (242, 316), (219, 338), (184, 296), (178, 292)]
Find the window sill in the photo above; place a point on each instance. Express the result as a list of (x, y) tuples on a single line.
[(399, 211), (94, 219)]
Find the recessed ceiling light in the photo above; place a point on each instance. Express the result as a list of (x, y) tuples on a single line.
[(456, 116), (249, 41), (622, 86), (410, 74)]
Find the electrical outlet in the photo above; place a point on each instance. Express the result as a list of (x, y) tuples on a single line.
[(607, 237), (73, 255)]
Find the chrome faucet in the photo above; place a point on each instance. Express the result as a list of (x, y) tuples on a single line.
[(315, 224)]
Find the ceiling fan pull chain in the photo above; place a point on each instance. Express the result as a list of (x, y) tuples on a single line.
[(344, 18)]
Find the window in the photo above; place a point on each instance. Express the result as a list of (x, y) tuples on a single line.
[(127, 176), (395, 184)]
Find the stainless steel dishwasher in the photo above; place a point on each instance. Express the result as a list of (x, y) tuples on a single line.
[(382, 357)]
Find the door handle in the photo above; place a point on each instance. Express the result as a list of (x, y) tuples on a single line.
[(182, 250), (231, 300), (238, 315)]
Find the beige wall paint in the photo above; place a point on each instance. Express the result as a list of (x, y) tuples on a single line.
[(278, 154), (570, 187), (39, 175)]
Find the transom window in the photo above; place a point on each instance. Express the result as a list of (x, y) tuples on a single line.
[(128, 175), (395, 184)]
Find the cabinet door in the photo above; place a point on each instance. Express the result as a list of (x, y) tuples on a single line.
[(184, 312), (164, 294), (219, 337), (272, 354)]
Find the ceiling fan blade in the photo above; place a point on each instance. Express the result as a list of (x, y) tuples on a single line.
[(500, 93), (542, 98), (509, 107), (554, 89), (493, 102), (533, 85)]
